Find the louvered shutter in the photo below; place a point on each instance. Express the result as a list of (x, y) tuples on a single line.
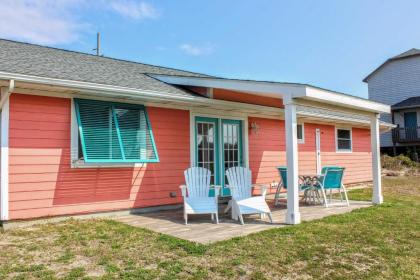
[(115, 132)]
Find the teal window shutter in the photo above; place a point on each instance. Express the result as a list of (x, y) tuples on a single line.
[(115, 132)]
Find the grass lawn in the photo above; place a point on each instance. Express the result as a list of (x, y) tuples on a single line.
[(381, 242)]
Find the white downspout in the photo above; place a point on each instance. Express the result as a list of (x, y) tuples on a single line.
[(6, 92), (4, 154)]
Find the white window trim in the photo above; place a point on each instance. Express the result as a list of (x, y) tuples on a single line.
[(302, 141), (336, 139), (75, 162)]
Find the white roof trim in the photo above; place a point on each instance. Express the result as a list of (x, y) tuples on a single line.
[(280, 90), (107, 91), (345, 100)]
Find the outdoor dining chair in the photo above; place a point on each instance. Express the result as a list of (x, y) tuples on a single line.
[(332, 180), (325, 168), (282, 185), (240, 185), (196, 193), (303, 185)]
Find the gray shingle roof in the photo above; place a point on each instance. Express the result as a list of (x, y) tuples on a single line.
[(407, 103), (406, 54), (29, 59)]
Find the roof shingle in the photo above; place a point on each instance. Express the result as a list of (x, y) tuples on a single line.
[(35, 60), (407, 103)]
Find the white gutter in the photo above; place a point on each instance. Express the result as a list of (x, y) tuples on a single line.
[(326, 96), (108, 91), (6, 93), (281, 90), (87, 86)]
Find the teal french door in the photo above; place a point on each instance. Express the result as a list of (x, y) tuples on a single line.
[(218, 146)]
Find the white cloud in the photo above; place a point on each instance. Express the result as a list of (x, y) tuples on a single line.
[(60, 21), (44, 22), (197, 50), (134, 9)]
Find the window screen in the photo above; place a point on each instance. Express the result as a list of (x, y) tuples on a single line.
[(343, 139)]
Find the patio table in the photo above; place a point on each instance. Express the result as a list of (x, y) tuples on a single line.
[(310, 194)]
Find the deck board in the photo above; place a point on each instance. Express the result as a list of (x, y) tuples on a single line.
[(201, 229)]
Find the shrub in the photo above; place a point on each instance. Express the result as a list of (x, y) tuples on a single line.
[(398, 163)]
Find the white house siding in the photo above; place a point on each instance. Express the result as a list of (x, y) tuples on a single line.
[(395, 82)]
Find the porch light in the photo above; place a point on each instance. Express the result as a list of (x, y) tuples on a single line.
[(254, 127)]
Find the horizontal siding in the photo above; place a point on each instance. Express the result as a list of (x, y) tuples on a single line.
[(393, 83), (267, 150), (42, 183)]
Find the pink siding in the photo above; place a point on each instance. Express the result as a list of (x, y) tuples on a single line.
[(267, 150), (43, 184)]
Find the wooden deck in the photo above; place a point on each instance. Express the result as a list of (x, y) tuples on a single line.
[(201, 229)]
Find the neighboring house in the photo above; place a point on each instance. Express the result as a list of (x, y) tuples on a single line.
[(83, 133), (397, 83)]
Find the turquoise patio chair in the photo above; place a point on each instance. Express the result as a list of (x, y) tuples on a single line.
[(283, 184), (331, 180), (324, 168)]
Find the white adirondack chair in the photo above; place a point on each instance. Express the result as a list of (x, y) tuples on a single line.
[(240, 185), (196, 193)]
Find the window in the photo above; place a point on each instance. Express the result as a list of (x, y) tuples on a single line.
[(300, 133), (344, 140), (114, 132)]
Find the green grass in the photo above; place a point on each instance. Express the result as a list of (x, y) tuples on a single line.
[(381, 242)]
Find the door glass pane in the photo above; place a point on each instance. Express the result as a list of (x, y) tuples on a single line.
[(206, 146), (231, 146)]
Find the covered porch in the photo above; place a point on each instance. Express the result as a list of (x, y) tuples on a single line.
[(307, 103), (288, 102), (202, 230)]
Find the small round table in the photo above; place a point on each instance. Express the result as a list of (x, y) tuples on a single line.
[(308, 184)]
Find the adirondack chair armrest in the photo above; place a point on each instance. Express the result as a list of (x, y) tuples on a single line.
[(217, 190), (263, 189), (183, 190)]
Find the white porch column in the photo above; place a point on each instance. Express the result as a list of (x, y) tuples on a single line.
[(376, 160), (4, 156), (293, 214)]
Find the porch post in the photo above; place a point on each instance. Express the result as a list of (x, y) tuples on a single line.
[(376, 160), (4, 155), (293, 214)]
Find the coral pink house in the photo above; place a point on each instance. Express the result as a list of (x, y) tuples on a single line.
[(83, 134)]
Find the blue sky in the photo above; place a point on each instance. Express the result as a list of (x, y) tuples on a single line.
[(332, 44)]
